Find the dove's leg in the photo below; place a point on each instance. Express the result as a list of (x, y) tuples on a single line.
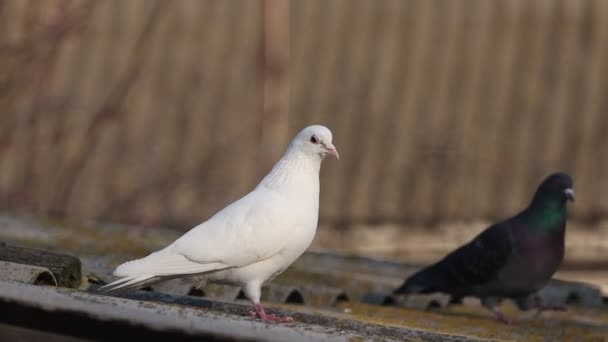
[(259, 313), (490, 304), (253, 292)]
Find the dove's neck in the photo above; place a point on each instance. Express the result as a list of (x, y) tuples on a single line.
[(295, 172)]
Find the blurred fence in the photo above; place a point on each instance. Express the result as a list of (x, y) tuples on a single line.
[(164, 111)]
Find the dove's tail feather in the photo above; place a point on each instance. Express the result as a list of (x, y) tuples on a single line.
[(129, 283), (156, 267), (166, 263)]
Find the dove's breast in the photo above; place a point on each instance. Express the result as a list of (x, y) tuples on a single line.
[(299, 238), (286, 230)]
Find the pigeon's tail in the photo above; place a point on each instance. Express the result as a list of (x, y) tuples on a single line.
[(155, 267), (424, 281)]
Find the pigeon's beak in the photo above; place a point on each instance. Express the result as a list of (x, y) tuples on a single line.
[(569, 194), (331, 149)]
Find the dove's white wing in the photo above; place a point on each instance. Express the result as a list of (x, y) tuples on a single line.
[(251, 229), (254, 228)]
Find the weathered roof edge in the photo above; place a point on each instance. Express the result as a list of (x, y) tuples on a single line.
[(143, 314)]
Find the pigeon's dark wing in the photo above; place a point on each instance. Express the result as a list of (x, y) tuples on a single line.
[(481, 259), (473, 264)]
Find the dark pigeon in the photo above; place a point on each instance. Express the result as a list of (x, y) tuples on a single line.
[(511, 259)]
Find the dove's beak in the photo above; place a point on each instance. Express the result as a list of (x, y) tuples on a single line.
[(331, 149), (569, 194)]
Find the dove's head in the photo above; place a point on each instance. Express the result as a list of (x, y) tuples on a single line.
[(315, 140)]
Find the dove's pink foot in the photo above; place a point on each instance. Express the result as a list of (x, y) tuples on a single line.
[(259, 313)]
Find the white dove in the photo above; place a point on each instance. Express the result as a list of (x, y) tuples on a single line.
[(251, 241)]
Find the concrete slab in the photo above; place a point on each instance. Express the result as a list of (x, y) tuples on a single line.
[(29, 274)]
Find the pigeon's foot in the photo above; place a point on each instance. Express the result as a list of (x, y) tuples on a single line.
[(537, 303), (502, 318), (490, 304), (261, 314), (541, 308), (552, 308)]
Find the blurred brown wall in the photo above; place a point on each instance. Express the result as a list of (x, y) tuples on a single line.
[(163, 112)]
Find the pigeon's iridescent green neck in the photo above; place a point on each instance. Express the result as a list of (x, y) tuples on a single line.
[(547, 213)]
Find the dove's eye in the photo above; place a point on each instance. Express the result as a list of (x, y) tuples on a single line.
[(314, 140)]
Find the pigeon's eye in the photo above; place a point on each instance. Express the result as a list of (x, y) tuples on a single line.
[(314, 140)]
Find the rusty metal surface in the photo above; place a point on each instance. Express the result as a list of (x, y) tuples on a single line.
[(350, 293), (318, 279)]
